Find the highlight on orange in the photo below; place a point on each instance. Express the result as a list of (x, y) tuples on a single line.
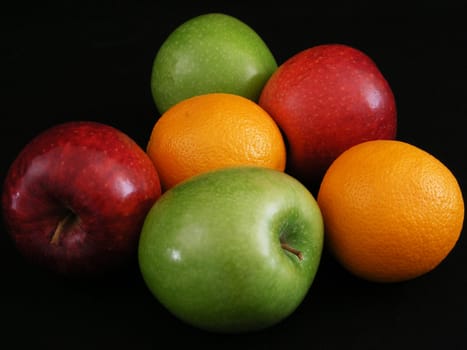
[(392, 211), (213, 131)]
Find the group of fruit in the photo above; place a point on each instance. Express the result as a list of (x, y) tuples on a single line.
[(220, 207)]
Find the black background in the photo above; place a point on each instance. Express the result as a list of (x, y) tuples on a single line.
[(92, 61)]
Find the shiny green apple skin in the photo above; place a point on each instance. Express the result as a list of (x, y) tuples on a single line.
[(212, 52), (210, 249)]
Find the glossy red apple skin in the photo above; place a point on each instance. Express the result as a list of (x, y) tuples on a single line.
[(93, 183), (326, 99)]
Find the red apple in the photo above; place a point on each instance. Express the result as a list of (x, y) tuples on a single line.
[(75, 198), (325, 99)]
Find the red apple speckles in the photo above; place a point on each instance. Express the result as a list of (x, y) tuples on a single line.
[(326, 99), (75, 198)]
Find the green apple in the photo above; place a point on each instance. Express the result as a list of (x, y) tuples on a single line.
[(213, 52), (232, 250)]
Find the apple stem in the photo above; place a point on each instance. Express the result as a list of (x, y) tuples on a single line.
[(298, 253), (67, 220)]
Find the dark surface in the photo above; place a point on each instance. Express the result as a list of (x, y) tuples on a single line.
[(75, 61)]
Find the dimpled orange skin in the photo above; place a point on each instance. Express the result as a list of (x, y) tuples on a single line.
[(212, 131), (392, 211)]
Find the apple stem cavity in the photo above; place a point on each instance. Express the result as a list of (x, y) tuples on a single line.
[(63, 224), (294, 251)]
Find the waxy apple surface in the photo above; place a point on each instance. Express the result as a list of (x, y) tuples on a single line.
[(213, 52), (232, 250), (326, 99), (75, 198)]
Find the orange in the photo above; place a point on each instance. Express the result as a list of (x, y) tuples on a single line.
[(392, 211), (213, 131)]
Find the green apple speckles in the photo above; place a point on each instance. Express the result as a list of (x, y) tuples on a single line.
[(213, 52), (232, 250)]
